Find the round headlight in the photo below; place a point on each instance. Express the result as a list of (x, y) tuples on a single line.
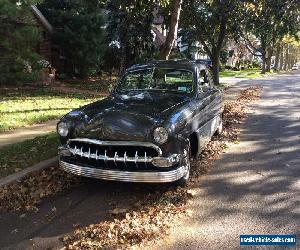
[(160, 135), (62, 129)]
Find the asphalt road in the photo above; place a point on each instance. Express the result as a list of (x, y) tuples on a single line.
[(253, 189), (86, 204)]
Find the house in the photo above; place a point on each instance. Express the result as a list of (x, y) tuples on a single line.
[(46, 48)]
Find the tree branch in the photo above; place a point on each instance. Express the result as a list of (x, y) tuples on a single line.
[(167, 47), (205, 46)]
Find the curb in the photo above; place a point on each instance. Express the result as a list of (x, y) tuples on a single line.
[(20, 175)]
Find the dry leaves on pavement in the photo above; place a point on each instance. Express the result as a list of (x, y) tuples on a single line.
[(149, 220), (28, 192)]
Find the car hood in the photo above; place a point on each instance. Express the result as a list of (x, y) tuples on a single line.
[(124, 117)]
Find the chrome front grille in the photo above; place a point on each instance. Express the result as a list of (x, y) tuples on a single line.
[(114, 151)]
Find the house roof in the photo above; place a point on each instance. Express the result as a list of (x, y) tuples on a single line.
[(42, 18)]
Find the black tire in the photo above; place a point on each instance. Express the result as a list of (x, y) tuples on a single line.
[(183, 181)]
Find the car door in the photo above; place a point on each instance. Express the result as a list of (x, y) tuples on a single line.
[(209, 101)]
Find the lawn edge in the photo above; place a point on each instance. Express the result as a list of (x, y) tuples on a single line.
[(23, 173)]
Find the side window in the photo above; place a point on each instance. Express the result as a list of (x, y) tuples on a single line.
[(173, 79), (203, 77), (205, 80), (137, 80)]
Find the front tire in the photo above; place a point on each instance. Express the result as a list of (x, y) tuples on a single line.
[(183, 181), (219, 128)]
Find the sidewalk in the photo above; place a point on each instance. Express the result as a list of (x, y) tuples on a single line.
[(22, 134)]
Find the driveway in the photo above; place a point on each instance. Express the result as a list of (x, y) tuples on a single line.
[(255, 187), (22, 134)]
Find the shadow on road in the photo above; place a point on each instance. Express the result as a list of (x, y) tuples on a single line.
[(87, 204)]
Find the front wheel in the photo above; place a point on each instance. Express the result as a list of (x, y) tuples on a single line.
[(187, 163), (219, 128)]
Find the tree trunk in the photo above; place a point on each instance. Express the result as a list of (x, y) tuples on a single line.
[(167, 47), (277, 55), (216, 67), (263, 66), (286, 58), (269, 59), (268, 64), (292, 58), (281, 62)]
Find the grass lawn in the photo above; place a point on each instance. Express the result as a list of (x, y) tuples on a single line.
[(99, 84), (20, 108), (247, 73), (16, 157)]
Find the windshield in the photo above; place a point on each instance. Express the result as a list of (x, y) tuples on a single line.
[(158, 79)]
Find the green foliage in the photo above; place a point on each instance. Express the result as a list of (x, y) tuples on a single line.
[(210, 23), (18, 39), (269, 21), (130, 24), (112, 59), (224, 54), (78, 31)]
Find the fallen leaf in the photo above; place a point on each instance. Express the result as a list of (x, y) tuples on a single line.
[(117, 211), (16, 230)]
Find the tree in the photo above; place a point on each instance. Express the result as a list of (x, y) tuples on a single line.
[(78, 31), (209, 22), (173, 26), (269, 21), (130, 25), (291, 51), (18, 38)]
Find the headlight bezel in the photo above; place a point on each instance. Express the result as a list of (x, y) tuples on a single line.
[(63, 129), (160, 135)]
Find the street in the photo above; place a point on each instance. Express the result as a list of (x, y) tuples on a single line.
[(254, 188)]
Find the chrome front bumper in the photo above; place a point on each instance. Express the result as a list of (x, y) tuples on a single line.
[(126, 176)]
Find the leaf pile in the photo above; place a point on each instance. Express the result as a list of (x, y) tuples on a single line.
[(149, 220), (28, 192), (235, 112), (250, 94)]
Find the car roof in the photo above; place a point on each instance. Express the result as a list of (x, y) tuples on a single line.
[(180, 64)]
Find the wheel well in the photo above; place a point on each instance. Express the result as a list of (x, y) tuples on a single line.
[(194, 144)]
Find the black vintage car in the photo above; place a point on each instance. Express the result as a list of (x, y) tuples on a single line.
[(159, 116)]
